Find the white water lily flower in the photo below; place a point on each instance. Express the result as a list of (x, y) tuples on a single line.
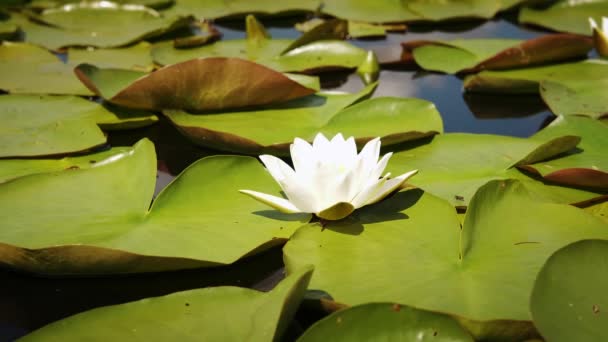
[(330, 179), (600, 36)]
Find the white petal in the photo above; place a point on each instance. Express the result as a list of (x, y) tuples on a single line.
[(278, 203), (350, 148), (379, 169), (302, 156), (390, 186), (371, 151), (369, 191), (593, 24), (299, 192), (320, 142), (338, 139), (605, 24)]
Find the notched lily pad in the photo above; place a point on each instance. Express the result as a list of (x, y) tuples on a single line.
[(98, 23), (454, 165), (203, 84), (411, 249), (195, 315), (474, 55), (388, 322), (111, 229), (569, 300), (587, 166), (38, 125), (394, 119)]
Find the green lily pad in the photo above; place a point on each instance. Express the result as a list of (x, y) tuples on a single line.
[(136, 57), (473, 55), (569, 300), (335, 29), (586, 166), (453, 166), (600, 210), (202, 84), (411, 249), (393, 119), (8, 28), (38, 125), (30, 69), (388, 322), (195, 315), (260, 48), (569, 88), (566, 16), (356, 29), (111, 229), (214, 9), (15, 168), (100, 23)]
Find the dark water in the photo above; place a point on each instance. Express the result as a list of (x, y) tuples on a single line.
[(28, 302)]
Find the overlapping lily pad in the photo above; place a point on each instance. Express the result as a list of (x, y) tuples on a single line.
[(585, 166), (394, 119), (36, 125), (566, 16), (111, 229), (569, 88), (211, 314), (136, 57), (388, 322), (97, 23), (473, 55), (453, 166), (203, 84), (30, 69), (278, 54), (569, 300), (411, 249)]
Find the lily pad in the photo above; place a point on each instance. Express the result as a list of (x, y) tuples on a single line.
[(411, 249), (586, 166), (136, 57), (453, 166), (44, 4), (195, 315), (569, 88), (8, 29), (388, 322), (394, 119), (37, 125), (260, 48), (197, 85), (111, 229), (473, 55), (569, 300), (99, 23), (30, 69), (566, 16), (214, 9)]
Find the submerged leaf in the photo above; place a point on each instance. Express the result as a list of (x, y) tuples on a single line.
[(196, 85)]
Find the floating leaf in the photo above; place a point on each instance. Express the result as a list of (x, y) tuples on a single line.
[(569, 88), (566, 16), (195, 315), (30, 69), (197, 85), (37, 125), (453, 166), (8, 28), (260, 48), (111, 229), (136, 57), (334, 29), (394, 119), (586, 166), (411, 249), (569, 300), (385, 321), (214, 9), (57, 3), (473, 55), (369, 70), (97, 23)]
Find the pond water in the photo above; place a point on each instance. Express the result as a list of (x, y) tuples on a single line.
[(27, 303)]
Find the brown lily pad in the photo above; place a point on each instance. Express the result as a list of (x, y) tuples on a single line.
[(474, 55), (195, 85)]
